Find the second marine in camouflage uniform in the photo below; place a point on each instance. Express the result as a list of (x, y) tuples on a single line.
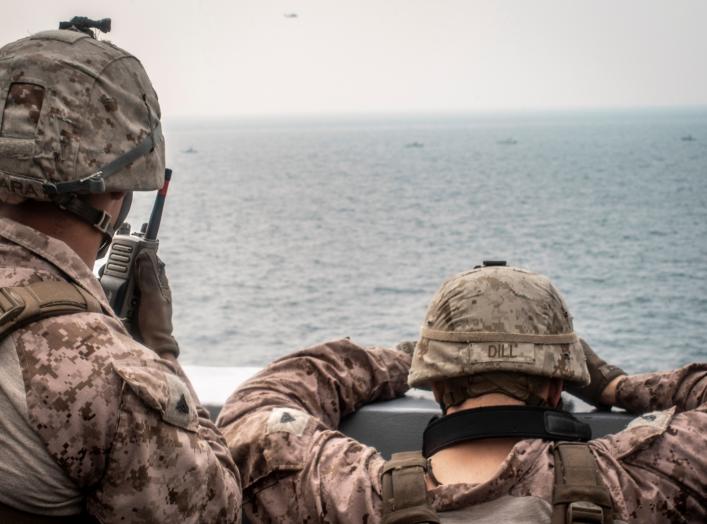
[(282, 424), (95, 425)]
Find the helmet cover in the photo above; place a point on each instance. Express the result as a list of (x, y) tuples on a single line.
[(71, 104), (493, 319)]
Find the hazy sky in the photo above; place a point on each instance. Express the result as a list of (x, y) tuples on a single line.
[(233, 57)]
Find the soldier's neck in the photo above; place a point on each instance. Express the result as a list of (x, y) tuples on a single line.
[(470, 462), (476, 461), (47, 218)]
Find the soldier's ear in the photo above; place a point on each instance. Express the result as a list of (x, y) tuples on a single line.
[(554, 393), (436, 392), (107, 201)]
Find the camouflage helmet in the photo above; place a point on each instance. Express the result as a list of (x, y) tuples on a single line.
[(497, 319), (79, 116)]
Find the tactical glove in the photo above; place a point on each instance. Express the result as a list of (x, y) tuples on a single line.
[(600, 373), (407, 346), (154, 311)]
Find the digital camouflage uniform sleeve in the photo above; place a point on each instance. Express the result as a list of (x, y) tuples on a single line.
[(123, 426), (662, 466), (281, 429), (684, 388)]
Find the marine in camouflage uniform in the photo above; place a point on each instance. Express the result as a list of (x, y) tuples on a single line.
[(281, 425), (95, 425)]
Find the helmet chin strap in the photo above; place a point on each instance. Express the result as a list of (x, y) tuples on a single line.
[(122, 215), (66, 194), (96, 182), (97, 218)]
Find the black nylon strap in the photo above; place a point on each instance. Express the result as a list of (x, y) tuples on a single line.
[(502, 421), (23, 305), (98, 218), (86, 212), (95, 182)]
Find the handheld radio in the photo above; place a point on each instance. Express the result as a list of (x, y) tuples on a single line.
[(118, 278)]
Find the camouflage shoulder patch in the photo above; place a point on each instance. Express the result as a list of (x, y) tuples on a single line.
[(288, 420), (641, 431), (657, 419), (163, 392)]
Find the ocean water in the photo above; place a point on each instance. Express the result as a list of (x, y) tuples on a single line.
[(279, 234)]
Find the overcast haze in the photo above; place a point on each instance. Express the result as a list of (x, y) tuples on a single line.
[(224, 58)]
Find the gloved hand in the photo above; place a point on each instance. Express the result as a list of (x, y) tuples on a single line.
[(600, 373), (154, 311), (407, 346)]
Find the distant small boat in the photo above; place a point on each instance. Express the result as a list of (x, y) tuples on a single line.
[(189, 151), (415, 144), (508, 142), (688, 138)]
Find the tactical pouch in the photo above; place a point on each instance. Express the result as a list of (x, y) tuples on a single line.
[(579, 495), (22, 305), (404, 490)]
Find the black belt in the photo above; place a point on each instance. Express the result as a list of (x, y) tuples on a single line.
[(502, 421)]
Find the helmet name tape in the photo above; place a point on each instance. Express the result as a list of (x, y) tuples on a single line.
[(499, 352), (18, 186)]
